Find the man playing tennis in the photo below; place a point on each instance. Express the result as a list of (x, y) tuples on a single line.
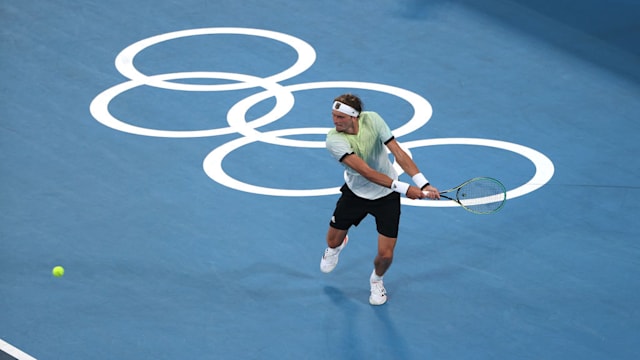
[(371, 185)]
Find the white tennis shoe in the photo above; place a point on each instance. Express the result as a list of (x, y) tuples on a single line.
[(330, 257), (378, 293)]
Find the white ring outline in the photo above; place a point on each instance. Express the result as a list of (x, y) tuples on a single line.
[(99, 107), (236, 116), (212, 166), (543, 173), (124, 60)]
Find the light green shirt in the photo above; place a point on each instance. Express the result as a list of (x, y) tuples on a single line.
[(368, 144)]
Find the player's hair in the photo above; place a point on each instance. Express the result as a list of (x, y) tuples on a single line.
[(351, 100)]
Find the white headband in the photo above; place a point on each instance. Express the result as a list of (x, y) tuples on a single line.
[(345, 109)]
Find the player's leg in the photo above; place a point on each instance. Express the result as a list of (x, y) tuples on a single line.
[(387, 214), (384, 258), (381, 263), (349, 211)]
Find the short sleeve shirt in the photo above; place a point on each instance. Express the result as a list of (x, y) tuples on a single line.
[(369, 145)]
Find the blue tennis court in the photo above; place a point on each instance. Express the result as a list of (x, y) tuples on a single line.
[(170, 155)]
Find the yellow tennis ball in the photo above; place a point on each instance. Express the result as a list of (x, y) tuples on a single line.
[(58, 271)]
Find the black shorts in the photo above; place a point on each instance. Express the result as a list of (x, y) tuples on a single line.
[(351, 209)]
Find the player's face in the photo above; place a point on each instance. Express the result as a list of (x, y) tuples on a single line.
[(342, 121)]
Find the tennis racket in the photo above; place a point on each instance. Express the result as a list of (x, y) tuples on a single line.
[(481, 195)]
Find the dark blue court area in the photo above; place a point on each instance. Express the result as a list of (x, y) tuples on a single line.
[(170, 155)]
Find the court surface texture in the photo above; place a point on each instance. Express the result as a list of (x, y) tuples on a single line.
[(170, 155)]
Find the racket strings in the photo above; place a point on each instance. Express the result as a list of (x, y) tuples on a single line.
[(482, 196)]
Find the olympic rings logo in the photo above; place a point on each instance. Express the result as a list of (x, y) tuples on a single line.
[(237, 120)]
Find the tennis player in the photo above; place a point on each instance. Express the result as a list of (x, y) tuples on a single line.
[(359, 142)]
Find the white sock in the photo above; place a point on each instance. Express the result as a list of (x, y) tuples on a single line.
[(374, 277)]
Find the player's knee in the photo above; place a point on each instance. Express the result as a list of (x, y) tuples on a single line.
[(384, 260), (386, 253)]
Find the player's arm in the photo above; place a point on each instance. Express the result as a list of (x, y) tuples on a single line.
[(409, 166), (356, 163)]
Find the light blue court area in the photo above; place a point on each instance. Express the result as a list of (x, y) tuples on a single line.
[(170, 156)]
